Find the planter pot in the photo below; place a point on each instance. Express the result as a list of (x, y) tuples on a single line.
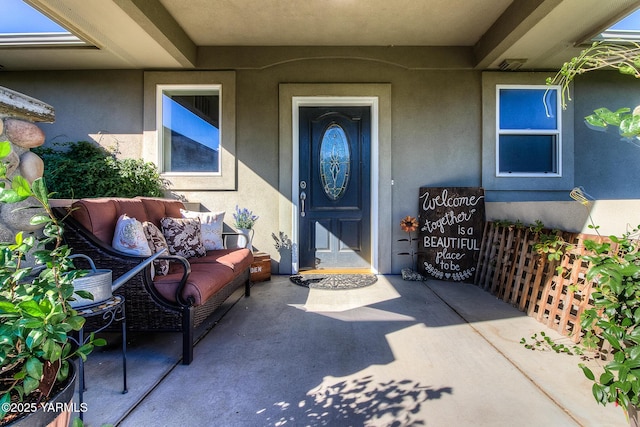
[(59, 407), (99, 284), (246, 240)]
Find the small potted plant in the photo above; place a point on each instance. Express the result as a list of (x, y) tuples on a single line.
[(244, 222), (36, 318)]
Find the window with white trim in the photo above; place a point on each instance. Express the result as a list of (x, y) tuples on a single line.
[(190, 128), (189, 135), (528, 131)]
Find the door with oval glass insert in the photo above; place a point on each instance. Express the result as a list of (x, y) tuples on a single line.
[(334, 187)]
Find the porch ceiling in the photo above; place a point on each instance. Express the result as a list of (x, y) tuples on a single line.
[(169, 34)]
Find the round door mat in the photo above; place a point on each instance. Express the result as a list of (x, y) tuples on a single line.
[(334, 281)]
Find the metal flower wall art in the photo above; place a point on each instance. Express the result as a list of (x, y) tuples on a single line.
[(409, 225)]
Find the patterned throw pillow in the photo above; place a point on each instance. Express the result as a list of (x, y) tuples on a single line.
[(184, 236), (157, 242), (129, 237), (211, 223)]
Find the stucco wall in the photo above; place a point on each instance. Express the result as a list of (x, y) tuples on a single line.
[(608, 167), (100, 106), (431, 141), (436, 139)]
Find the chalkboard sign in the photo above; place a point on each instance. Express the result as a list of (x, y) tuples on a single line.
[(451, 221)]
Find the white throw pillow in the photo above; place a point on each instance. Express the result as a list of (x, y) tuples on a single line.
[(211, 223), (129, 237)]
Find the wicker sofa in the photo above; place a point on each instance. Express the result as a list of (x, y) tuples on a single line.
[(178, 301)]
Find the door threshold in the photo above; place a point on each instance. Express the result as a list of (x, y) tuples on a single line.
[(336, 271)]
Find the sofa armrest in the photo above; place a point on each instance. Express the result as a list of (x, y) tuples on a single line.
[(186, 271)]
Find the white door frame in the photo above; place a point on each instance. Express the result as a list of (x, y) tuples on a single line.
[(334, 101), (382, 222)]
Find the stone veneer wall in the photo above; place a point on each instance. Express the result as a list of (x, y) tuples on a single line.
[(19, 114)]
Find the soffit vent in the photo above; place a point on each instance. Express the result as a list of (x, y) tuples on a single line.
[(512, 64)]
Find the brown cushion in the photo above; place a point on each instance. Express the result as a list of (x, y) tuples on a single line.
[(98, 216), (236, 259), (184, 236), (204, 281), (131, 207), (156, 242), (157, 208)]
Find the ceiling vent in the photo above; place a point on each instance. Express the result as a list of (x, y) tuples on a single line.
[(512, 64)]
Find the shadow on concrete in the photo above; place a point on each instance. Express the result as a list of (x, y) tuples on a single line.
[(382, 355), (360, 402)]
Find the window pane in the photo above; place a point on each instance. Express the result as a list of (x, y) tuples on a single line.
[(528, 154), (191, 130), (335, 162), (528, 109)]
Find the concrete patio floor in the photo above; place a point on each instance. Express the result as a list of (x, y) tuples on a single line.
[(396, 353)]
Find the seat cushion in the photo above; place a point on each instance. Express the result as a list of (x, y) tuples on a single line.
[(204, 281), (237, 259)]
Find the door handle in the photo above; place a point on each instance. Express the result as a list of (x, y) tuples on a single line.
[(303, 197)]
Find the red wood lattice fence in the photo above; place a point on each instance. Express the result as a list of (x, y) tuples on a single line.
[(510, 268)]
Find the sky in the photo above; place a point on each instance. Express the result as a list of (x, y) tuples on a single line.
[(631, 22), (25, 19)]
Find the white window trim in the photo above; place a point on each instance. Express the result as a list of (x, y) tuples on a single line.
[(226, 179), (160, 89), (557, 132)]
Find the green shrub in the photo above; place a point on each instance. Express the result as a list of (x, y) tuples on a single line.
[(82, 169)]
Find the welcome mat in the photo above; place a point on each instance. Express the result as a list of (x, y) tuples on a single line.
[(334, 281)]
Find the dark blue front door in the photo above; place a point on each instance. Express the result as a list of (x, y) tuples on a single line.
[(335, 187)]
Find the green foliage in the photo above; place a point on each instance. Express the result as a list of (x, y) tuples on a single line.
[(537, 227), (604, 55), (102, 173), (624, 57), (35, 315), (544, 342), (615, 268), (627, 121), (550, 245), (615, 318)]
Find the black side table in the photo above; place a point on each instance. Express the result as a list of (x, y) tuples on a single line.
[(111, 310)]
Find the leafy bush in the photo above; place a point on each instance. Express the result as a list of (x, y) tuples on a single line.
[(82, 169)]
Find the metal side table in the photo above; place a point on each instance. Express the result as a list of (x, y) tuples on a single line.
[(111, 310)]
